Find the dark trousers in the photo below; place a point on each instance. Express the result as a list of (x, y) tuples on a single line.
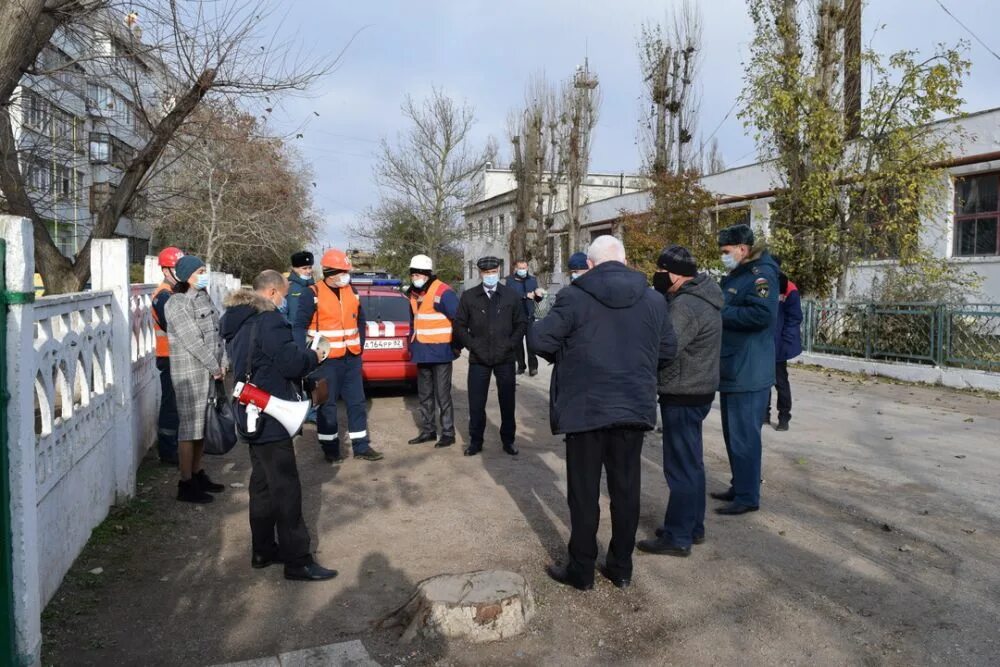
[(168, 420), (618, 451), (784, 388), (276, 504), (519, 349), (684, 468), (343, 379), (741, 430), (434, 389), (479, 389)]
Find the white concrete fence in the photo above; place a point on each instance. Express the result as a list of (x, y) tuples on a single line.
[(84, 399)]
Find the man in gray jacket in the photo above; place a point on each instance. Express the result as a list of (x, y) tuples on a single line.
[(687, 387)]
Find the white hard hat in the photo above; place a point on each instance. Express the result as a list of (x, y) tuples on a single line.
[(421, 263)]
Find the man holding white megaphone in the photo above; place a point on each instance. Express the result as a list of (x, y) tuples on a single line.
[(268, 367)]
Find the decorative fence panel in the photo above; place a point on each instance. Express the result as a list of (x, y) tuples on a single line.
[(959, 336)]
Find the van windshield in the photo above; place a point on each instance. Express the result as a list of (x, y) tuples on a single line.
[(386, 308)]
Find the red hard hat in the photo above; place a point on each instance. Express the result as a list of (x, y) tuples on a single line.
[(168, 257), (335, 259)]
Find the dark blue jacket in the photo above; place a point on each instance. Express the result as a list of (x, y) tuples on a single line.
[(748, 317), (521, 287), (788, 328), (307, 308), (297, 285), (278, 363), (607, 333), (435, 353)]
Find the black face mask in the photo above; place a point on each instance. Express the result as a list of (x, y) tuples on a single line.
[(662, 282)]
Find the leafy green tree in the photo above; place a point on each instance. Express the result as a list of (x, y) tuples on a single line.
[(840, 199)]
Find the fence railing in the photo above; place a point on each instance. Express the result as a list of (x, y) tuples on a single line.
[(960, 336)]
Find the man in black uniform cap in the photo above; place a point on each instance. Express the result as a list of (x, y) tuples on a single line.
[(489, 323)]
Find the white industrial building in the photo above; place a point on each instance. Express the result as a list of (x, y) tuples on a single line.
[(77, 125), (488, 221), (966, 234)]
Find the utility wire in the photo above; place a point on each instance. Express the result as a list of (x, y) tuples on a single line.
[(968, 30)]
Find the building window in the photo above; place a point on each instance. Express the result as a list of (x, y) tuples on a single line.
[(100, 97), (503, 225), (493, 229), (121, 153), (38, 176), (36, 110), (99, 194), (100, 148), (470, 274), (64, 185), (977, 215)]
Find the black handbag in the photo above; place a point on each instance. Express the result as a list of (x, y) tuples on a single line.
[(220, 421)]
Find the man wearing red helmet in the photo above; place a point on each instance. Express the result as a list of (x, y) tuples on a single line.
[(331, 310), (166, 425)]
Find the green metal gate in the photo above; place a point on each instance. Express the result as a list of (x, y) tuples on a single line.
[(8, 653)]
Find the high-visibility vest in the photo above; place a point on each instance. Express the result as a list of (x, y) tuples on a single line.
[(430, 326), (336, 319), (162, 344)]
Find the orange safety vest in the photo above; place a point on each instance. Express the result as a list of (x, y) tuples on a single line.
[(336, 319), (430, 326), (162, 344)]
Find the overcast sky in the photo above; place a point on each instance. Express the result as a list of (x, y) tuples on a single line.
[(484, 52)]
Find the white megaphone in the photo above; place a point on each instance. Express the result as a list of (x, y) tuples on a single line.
[(291, 414)]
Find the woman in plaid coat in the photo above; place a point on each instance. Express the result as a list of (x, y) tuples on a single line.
[(196, 358)]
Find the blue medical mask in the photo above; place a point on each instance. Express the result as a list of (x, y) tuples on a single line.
[(522, 273), (419, 283), (730, 262), (573, 276), (283, 307), (491, 281), (202, 282)]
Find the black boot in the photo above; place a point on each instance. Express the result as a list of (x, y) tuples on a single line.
[(310, 572), (782, 424), (189, 491), (205, 484), (422, 438)]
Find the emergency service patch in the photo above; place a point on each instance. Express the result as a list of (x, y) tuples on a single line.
[(761, 287)]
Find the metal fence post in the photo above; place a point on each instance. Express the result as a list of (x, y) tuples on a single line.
[(868, 322)]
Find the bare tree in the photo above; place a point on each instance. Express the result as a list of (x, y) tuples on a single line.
[(535, 135), (669, 55), (581, 102), (185, 53), (425, 178), (238, 198)]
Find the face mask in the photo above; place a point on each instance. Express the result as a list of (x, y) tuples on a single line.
[(662, 282), (491, 281), (730, 262), (345, 280), (419, 284), (522, 273), (202, 282), (283, 306), (574, 276)]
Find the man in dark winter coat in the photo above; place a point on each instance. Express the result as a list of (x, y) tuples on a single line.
[(746, 366), (489, 323), (262, 352), (787, 346), (687, 388), (433, 305), (300, 278), (525, 286), (607, 334)]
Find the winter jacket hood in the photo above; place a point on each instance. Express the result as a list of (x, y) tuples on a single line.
[(613, 284), (702, 287), (240, 306)]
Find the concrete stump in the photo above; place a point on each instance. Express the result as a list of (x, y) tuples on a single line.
[(483, 606)]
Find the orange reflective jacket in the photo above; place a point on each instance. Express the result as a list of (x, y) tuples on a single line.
[(336, 319), (430, 326), (162, 344)]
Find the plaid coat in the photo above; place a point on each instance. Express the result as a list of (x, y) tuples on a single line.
[(196, 352)]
